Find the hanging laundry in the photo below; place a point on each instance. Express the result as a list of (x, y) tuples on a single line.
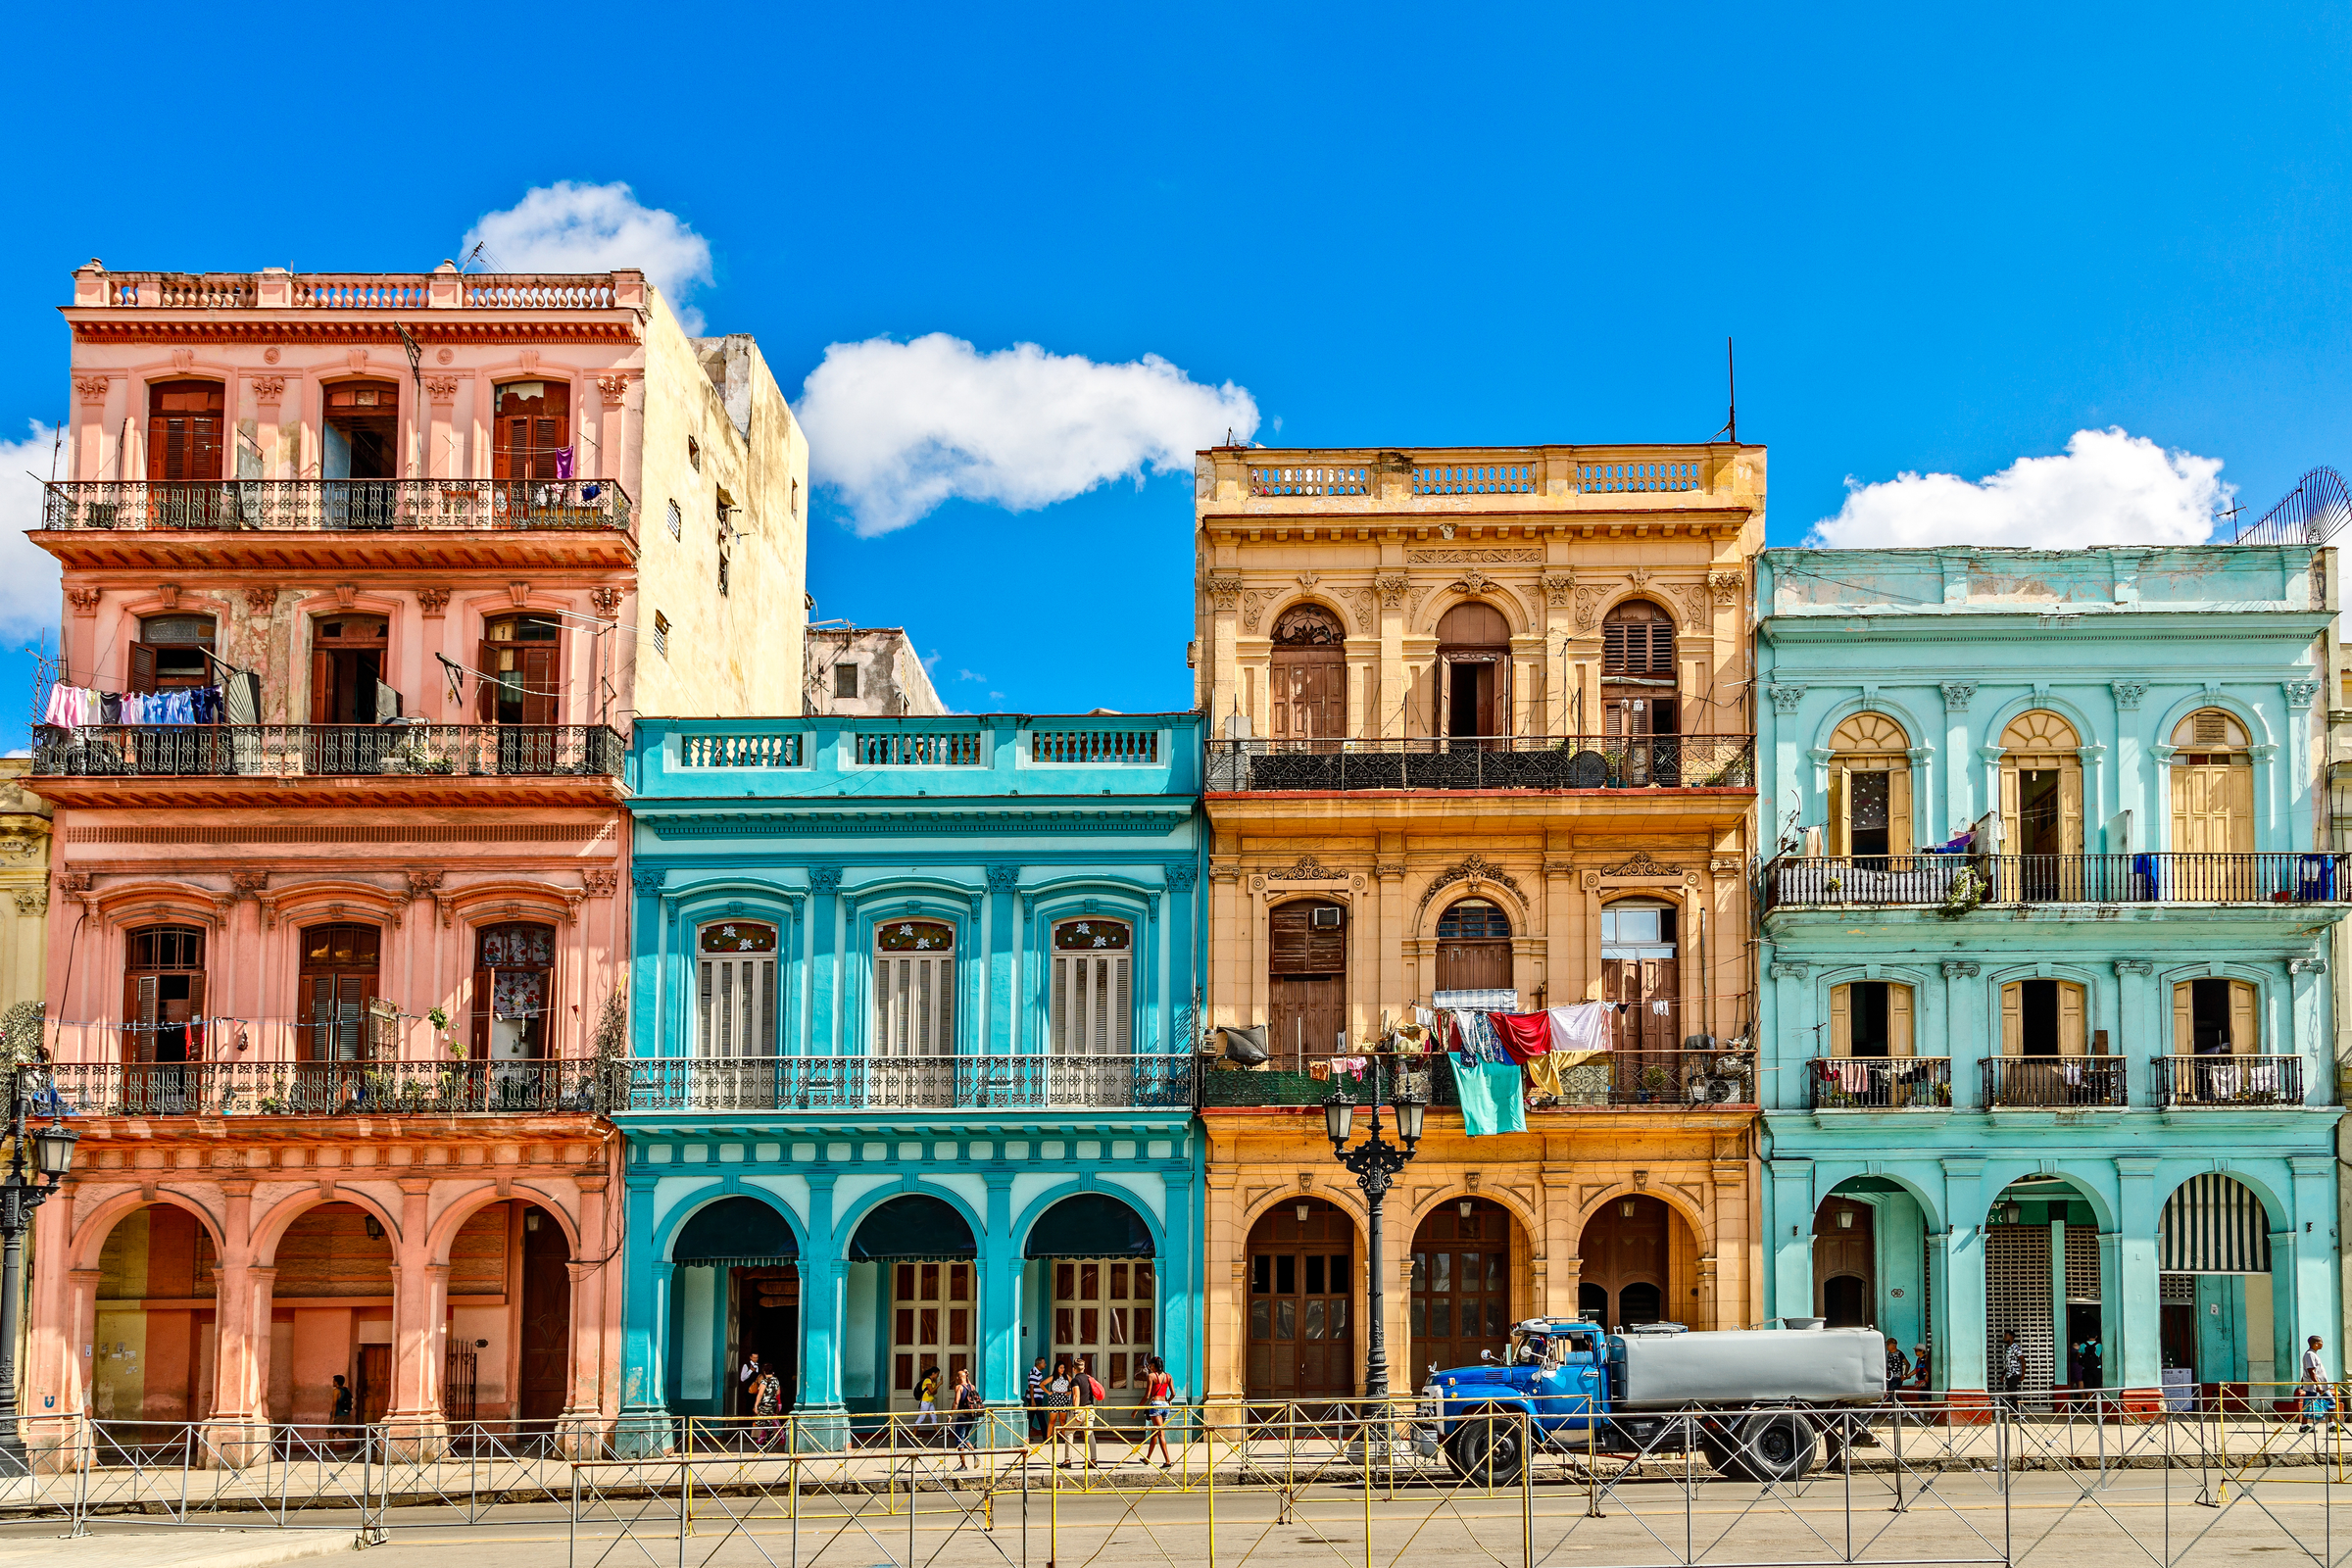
[(563, 463), (1583, 1027), (1489, 1097), (1659, 1009), (1523, 1036)]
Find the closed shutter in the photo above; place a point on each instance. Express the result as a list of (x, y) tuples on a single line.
[(1899, 811), (914, 1005), (1300, 947), (145, 1011), (198, 1032), (2069, 1019), (735, 1009), (322, 687), (1091, 1007), (1842, 802), (2245, 1034), (536, 667), (1842, 1020), (2070, 807), (1898, 1020), (2013, 1019), (2185, 1019)]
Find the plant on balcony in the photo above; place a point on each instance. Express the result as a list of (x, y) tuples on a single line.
[(275, 1103), (1654, 1082), (1965, 893), (21, 1028), (416, 756)]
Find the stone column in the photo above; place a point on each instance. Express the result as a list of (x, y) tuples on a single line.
[(413, 1415), (2129, 1302), (580, 1428), (825, 1286), (997, 1274), (1957, 1253), (643, 1427), (238, 1428), (1181, 1331)]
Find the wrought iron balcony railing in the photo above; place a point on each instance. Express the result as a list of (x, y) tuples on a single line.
[(2227, 1082), (323, 1089), (298, 750), (2054, 1083), (1485, 762), (1880, 1083), (454, 505), (1663, 1080), (725, 1085), (1964, 880)]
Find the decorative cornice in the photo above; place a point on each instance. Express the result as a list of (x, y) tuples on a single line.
[(1642, 864), (1307, 868), (1471, 867), (850, 822)]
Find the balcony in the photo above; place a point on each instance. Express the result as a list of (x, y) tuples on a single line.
[(323, 1089), (1655, 1080), (1960, 882), (2054, 1083), (1880, 1083), (335, 505), (750, 1085), (2227, 1083), (314, 750), (1489, 763)]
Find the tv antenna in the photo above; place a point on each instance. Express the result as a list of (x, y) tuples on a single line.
[(1730, 373)]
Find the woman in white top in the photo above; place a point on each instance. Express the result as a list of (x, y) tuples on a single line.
[(2318, 1402)]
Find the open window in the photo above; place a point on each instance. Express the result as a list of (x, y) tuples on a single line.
[(1870, 787), (1871, 1018), (530, 430), (173, 653), (2216, 1018), (1638, 679), (522, 659), (2043, 1018), (340, 968), (347, 670), (514, 974), (162, 994), (1474, 670), (2213, 785)]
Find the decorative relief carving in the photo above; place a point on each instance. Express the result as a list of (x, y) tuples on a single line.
[(1588, 607), (1640, 577), (1558, 588), (1308, 579), (83, 600), (607, 601), (1462, 557), (1642, 864), (441, 388), (648, 879), (600, 882), (1412, 610), (1726, 586), (347, 594), (1307, 868), (1784, 970), (824, 879), (1003, 878), (1387, 870), (1392, 586), (2134, 966), (92, 387), (1474, 866), (521, 593), (1787, 696), (183, 358), (2299, 693), (615, 389), (249, 884), (1956, 695), (2127, 694), (1367, 608), (1961, 969), (167, 593), (269, 356), (32, 900), (1695, 603), (1224, 590), (1254, 602), (425, 883), (434, 602), (1474, 581), (260, 600)]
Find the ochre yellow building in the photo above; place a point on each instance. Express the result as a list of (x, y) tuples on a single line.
[(1482, 721)]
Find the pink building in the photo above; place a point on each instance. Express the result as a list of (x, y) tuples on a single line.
[(365, 576)]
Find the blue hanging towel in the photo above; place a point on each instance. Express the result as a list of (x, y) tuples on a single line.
[(1489, 1096)]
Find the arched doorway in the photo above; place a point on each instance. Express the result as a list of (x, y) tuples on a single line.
[(1870, 1265), (2042, 1276), (918, 1254), (543, 1318), (1461, 1284), (1101, 1283), (153, 1354), (2213, 792), (331, 1307), (2215, 1287), (1474, 671), (1844, 1265), (1640, 692), (1637, 1257), (1309, 696), (1306, 976), (737, 1290), (2042, 807), (1301, 1328), (1474, 946)]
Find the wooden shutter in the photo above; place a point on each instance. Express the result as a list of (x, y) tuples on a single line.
[(2011, 828), (1297, 948), (2185, 1019), (141, 1009), (1899, 812), (322, 687), (141, 678), (1842, 800), (536, 669), (482, 1002), (2069, 1019), (2237, 807), (1898, 1020), (2245, 1033), (198, 1034), (2013, 1019), (317, 1010), (1842, 1020), (2187, 819), (2069, 807), (485, 694)]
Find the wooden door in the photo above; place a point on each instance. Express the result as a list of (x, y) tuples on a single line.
[(371, 1385), (1308, 979), (1301, 1342), (183, 432), (1645, 986), (1310, 695), (1844, 1248), (2212, 807), (1474, 947), (546, 1317), (1625, 1252), (1462, 1286)]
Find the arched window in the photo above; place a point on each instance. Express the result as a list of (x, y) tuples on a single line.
[(1309, 675), (914, 989), (1474, 947), (1474, 670), (1092, 1011), (1870, 787), (340, 966), (735, 990), (1638, 677), (1871, 1018), (513, 966), (2041, 809), (2213, 785), (162, 994)]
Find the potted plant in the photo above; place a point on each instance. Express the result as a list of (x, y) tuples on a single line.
[(1653, 1083)]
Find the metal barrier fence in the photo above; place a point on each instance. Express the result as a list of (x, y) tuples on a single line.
[(1363, 1484)]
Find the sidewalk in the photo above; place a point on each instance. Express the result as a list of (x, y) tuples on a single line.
[(171, 1549)]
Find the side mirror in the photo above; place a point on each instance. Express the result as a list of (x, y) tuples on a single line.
[(1485, 1356)]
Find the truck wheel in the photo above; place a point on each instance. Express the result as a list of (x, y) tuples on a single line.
[(1486, 1452), (1779, 1446)]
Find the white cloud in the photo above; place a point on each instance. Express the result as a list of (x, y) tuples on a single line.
[(568, 227), (30, 591), (897, 428), (966, 674), (2108, 488)]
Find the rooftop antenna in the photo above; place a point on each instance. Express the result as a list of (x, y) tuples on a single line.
[(1730, 373)]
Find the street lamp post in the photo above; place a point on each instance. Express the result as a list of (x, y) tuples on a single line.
[(1375, 1163), (34, 1172)]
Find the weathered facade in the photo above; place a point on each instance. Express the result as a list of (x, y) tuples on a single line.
[(1479, 724), (365, 576), (2048, 1034), (24, 831), (866, 672), (913, 1017)]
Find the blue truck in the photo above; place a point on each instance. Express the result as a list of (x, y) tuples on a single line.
[(1755, 1403)]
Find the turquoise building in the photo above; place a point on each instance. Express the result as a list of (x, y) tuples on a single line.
[(2046, 1026), (912, 1009)]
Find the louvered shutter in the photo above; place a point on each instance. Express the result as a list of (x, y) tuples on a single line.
[(2245, 1033), (2237, 806), (2070, 807), (1842, 801), (1842, 1020), (141, 678), (322, 687), (2069, 1019), (1899, 811), (198, 1032), (485, 692)]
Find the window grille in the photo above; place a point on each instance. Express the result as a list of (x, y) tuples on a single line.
[(845, 680), (677, 521)]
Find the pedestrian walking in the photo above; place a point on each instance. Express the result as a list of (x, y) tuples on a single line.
[(1159, 1391), (926, 1401), (1921, 1377), (2013, 1367), (2318, 1402), (964, 1410), (1058, 1399), (343, 1411)]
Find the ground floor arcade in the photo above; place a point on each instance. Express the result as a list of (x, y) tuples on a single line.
[(852, 1263), (1626, 1217), (2121, 1256)]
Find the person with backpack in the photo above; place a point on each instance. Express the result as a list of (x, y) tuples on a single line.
[(964, 1408), (1085, 1394)]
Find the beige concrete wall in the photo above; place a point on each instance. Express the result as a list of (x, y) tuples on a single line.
[(737, 652), (891, 678)]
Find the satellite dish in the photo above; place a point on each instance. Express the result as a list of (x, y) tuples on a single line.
[(1588, 770)]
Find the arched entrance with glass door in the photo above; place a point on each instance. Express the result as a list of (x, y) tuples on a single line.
[(1099, 1281), (1463, 1269), (911, 1268), (1300, 1327)]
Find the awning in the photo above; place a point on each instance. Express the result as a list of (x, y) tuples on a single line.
[(2214, 1225), (913, 1226), (735, 1233), (1089, 1225)]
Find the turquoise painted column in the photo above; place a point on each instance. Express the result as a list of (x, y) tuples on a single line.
[(1959, 1251), (1958, 767), (998, 1272), (824, 972), (645, 966), (1178, 1268), (2309, 1307), (644, 1425), (1004, 1023), (1792, 1219), (823, 1280), (2131, 1306)]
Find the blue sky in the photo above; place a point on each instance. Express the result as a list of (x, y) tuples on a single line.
[(1945, 238)]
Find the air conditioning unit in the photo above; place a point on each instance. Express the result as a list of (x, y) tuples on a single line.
[(1326, 918)]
